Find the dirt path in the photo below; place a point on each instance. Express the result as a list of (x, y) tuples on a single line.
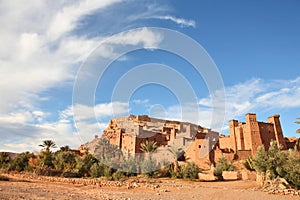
[(163, 189)]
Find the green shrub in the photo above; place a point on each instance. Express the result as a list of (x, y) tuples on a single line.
[(248, 164), (118, 175), (130, 166), (178, 174), (190, 171), (292, 169), (283, 164), (4, 160), (20, 163), (149, 167), (108, 171), (84, 164), (46, 159), (64, 160), (222, 165), (97, 170)]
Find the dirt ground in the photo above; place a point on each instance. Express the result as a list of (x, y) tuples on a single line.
[(20, 188)]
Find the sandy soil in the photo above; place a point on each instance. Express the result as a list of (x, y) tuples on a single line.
[(18, 188)]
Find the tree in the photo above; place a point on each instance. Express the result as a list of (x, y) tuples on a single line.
[(278, 163), (106, 152), (298, 131), (176, 152), (47, 145), (298, 122), (20, 163), (64, 161), (4, 159), (191, 171), (65, 148), (222, 165), (149, 147), (84, 164)]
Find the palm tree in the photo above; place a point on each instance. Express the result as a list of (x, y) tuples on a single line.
[(65, 148), (48, 144), (149, 147), (298, 122), (177, 152), (298, 131)]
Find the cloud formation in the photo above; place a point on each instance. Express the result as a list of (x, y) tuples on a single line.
[(180, 21)]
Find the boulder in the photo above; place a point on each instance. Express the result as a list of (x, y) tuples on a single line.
[(247, 175), (230, 175), (207, 177)]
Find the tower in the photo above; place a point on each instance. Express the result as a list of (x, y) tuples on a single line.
[(233, 143), (252, 135), (277, 129)]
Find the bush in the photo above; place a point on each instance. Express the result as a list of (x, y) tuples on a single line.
[(20, 163), (222, 165), (4, 160), (130, 166), (191, 171), (108, 171), (64, 160), (149, 167), (97, 170), (283, 164), (178, 174), (118, 175), (248, 164), (46, 160), (84, 165), (292, 169)]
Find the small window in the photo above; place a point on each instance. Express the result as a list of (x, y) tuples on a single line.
[(199, 146)]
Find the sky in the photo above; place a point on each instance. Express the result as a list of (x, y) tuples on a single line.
[(68, 67)]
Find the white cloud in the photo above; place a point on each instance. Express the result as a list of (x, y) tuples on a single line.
[(66, 19), (256, 95), (148, 38), (36, 53), (179, 21), (140, 101), (39, 51)]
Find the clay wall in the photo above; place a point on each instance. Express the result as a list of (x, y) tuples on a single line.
[(253, 132), (218, 153), (243, 154), (128, 143), (225, 143), (278, 131), (193, 154), (159, 138), (267, 133)]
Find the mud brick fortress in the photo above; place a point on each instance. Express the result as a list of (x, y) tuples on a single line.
[(201, 145)]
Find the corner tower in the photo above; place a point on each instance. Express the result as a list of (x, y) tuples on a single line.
[(252, 137), (277, 129)]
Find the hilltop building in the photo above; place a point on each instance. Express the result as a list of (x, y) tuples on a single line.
[(201, 145), (246, 137)]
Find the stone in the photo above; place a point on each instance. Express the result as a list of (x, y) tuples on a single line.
[(230, 175), (247, 175), (207, 177)]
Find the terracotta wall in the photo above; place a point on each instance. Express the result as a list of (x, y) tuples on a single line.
[(243, 154), (225, 143)]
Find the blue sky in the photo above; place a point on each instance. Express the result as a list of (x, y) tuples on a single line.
[(254, 44)]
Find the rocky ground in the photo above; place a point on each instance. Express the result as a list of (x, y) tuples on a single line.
[(31, 187)]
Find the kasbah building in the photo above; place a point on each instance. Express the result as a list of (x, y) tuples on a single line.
[(201, 145)]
